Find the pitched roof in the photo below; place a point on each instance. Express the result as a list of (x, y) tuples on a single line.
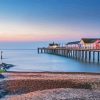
[(52, 44), (90, 40), (75, 42)]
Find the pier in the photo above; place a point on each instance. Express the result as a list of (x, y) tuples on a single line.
[(84, 55)]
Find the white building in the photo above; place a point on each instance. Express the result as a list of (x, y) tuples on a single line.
[(75, 44)]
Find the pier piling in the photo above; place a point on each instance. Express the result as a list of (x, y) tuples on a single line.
[(78, 54)]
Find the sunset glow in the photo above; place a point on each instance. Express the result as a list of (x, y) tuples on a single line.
[(31, 20)]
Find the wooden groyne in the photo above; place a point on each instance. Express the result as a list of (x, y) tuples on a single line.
[(84, 55)]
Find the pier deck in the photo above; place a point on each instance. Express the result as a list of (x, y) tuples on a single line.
[(85, 55)]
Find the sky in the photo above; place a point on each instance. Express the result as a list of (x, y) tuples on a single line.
[(47, 20)]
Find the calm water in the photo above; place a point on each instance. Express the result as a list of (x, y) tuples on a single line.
[(29, 60)]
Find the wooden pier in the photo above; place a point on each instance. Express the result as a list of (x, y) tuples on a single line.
[(84, 55)]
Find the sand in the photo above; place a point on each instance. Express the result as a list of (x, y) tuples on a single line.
[(58, 94)]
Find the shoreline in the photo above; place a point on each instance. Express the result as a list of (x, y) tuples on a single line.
[(88, 73)]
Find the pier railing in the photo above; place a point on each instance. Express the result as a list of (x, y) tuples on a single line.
[(81, 54)]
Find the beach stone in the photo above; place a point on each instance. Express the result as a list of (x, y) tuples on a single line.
[(1, 76), (47, 86), (2, 93)]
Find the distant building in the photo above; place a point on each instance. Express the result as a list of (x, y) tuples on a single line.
[(75, 44), (54, 45), (90, 43), (85, 43)]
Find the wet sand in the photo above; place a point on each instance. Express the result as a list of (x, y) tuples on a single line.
[(34, 85)]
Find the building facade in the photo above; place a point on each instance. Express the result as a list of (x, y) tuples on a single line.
[(85, 43), (75, 44), (90, 43)]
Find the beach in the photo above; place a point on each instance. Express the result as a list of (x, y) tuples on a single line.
[(58, 85), (49, 49)]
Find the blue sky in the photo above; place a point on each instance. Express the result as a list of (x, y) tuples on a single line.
[(49, 19)]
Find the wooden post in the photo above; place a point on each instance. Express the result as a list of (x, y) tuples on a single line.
[(98, 57), (85, 56), (41, 50), (1, 55), (47, 50), (76, 54), (70, 53), (58, 51), (82, 55), (55, 51), (73, 54), (61, 52), (52, 51), (93, 56), (79, 54), (64, 53), (38, 50), (67, 53), (89, 56)]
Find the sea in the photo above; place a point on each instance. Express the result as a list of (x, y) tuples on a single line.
[(25, 58)]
